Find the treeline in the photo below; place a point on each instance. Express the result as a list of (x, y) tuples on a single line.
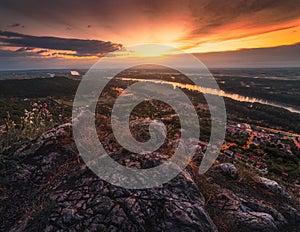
[(263, 115), (38, 87), (277, 91), (280, 161)]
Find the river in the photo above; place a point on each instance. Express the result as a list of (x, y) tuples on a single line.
[(217, 92)]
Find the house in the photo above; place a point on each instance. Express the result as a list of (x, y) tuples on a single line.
[(229, 153), (241, 156)]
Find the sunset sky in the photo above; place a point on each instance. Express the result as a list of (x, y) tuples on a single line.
[(238, 33)]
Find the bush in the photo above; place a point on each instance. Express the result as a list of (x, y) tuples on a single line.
[(32, 124)]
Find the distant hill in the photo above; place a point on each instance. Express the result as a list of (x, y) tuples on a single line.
[(39, 87)]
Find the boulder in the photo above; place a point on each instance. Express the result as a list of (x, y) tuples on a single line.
[(228, 169), (274, 187)]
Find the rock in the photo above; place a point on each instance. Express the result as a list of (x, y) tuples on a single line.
[(274, 187), (55, 191), (292, 214), (238, 213), (228, 169), (68, 215), (74, 198)]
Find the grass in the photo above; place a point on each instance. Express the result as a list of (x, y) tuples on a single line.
[(32, 124)]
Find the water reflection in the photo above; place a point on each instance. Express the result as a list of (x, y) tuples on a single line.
[(222, 93)]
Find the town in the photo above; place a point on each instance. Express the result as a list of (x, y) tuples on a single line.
[(260, 147)]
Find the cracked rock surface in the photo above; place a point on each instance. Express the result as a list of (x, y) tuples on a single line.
[(53, 190)]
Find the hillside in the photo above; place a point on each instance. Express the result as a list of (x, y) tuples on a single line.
[(51, 189), (38, 87)]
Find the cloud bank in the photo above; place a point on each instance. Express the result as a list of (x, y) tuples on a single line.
[(79, 47)]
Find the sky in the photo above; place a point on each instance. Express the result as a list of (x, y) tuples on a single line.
[(60, 34)]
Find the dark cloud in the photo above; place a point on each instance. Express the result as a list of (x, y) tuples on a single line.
[(281, 56), (14, 54), (42, 51), (81, 47), (11, 60), (15, 25), (213, 15)]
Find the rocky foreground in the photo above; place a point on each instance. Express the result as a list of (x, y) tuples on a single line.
[(51, 189)]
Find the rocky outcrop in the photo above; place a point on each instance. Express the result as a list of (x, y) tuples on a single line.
[(228, 169), (274, 187), (55, 191), (235, 204), (247, 213), (52, 189)]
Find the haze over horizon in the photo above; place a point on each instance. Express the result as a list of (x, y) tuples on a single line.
[(37, 35)]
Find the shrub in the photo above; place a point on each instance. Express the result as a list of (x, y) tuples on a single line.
[(32, 124)]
